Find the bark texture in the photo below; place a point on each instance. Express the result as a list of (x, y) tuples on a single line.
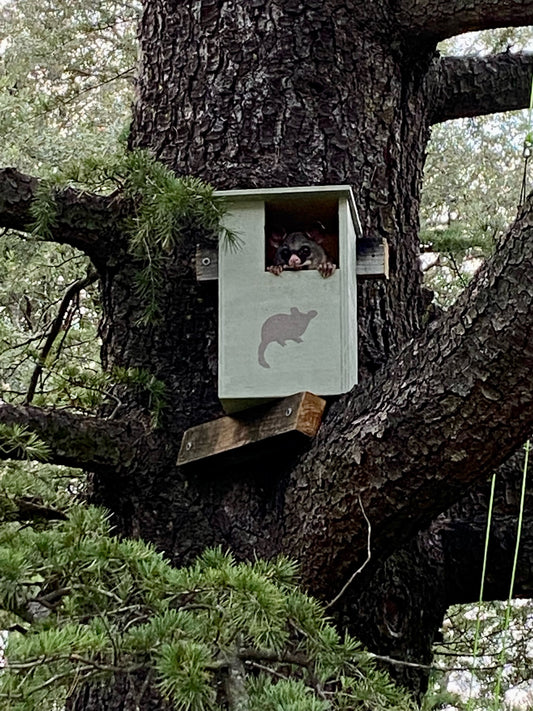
[(91, 223), (440, 20), (428, 423), (442, 566), (275, 94), (472, 86), (462, 533)]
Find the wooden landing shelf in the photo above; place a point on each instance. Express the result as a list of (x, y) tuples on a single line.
[(300, 414)]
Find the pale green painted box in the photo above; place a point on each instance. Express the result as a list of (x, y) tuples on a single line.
[(280, 335)]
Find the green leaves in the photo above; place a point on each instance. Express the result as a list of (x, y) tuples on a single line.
[(473, 178), (65, 79), (147, 383), (291, 695), (34, 279)]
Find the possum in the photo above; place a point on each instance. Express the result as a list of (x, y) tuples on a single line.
[(281, 328), (300, 251)]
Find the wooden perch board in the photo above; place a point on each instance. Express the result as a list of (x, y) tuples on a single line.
[(300, 414)]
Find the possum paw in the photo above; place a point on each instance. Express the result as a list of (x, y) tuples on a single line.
[(326, 269)]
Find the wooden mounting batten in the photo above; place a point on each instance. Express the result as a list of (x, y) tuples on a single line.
[(293, 416), (372, 260)]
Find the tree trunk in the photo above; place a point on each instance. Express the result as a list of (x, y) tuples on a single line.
[(299, 98), (268, 94), (258, 95)]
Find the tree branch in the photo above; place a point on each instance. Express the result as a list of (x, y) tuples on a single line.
[(73, 290), (473, 86), (437, 20), (86, 221), (30, 508), (74, 440), (454, 404)]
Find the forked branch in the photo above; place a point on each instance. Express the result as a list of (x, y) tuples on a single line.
[(454, 404), (92, 443), (89, 222)]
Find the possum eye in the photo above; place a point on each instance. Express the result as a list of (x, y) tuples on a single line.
[(304, 253), (285, 254)]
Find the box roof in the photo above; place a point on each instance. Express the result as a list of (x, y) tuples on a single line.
[(266, 193)]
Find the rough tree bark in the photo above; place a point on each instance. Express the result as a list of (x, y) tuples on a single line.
[(276, 93)]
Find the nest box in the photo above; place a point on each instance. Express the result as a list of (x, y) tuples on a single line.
[(296, 331)]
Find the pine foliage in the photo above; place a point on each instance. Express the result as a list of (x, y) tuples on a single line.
[(16, 440), (84, 605), (164, 208)]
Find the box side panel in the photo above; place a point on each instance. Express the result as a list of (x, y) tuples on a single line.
[(348, 304)]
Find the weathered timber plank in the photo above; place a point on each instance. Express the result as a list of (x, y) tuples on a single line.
[(372, 258), (300, 413), (206, 263)]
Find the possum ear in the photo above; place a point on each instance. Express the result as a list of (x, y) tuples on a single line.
[(277, 235), (317, 232)]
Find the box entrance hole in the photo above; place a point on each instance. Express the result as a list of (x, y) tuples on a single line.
[(316, 215)]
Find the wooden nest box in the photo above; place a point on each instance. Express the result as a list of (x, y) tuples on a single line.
[(281, 334)]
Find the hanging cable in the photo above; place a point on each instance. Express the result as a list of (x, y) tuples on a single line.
[(481, 590), (528, 148), (503, 653)]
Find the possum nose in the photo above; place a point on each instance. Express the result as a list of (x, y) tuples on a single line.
[(294, 261)]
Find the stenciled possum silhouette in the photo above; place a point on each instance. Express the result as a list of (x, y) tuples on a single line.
[(300, 250), (281, 328)]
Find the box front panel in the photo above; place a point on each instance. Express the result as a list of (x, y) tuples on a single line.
[(277, 334)]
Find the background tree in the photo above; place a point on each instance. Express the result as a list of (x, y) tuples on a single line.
[(308, 95)]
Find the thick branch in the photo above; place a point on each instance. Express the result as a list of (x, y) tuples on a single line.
[(455, 403), (473, 86), (438, 20), (85, 221), (74, 440)]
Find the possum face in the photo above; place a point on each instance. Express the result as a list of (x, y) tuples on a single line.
[(299, 251)]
